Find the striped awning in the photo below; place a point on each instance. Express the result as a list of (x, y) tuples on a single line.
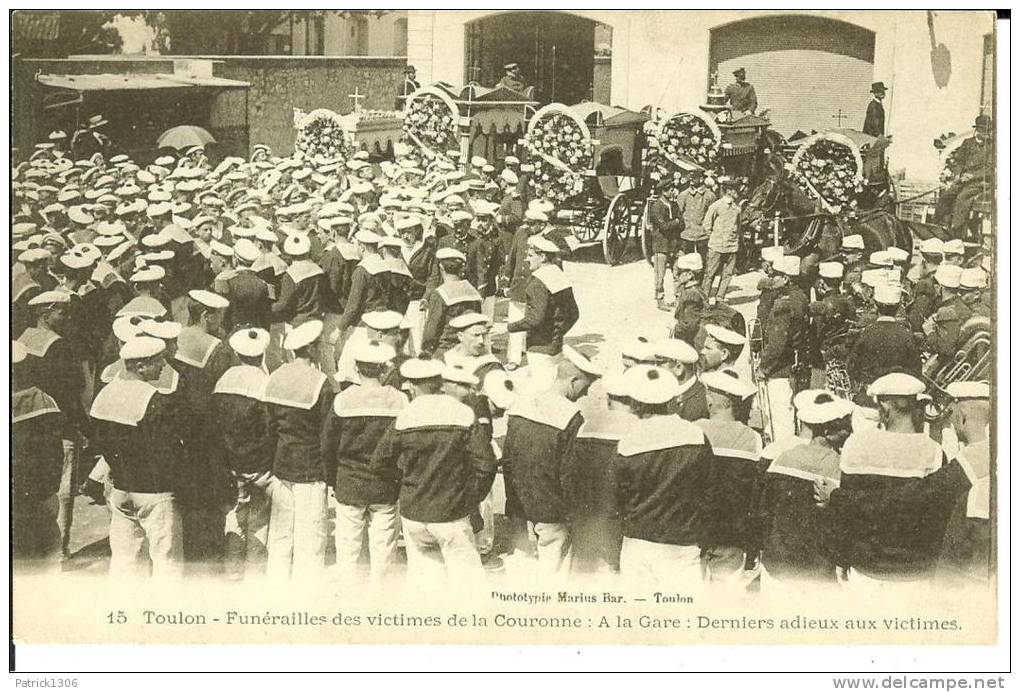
[(30, 25)]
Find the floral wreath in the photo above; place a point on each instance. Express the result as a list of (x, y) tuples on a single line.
[(681, 143), (828, 167), (561, 148), (321, 134), (430, 122)]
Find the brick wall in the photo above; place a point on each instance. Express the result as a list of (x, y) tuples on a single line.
[(280, 84)]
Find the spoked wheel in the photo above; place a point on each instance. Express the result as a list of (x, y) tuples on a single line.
[(589, 223), (645, 240), (616, 229)]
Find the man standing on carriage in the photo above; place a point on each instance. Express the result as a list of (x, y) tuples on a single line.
[(741, 94), (874, 119), (974, 172)]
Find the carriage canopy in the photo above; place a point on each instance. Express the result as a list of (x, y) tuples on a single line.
[(619, 133)]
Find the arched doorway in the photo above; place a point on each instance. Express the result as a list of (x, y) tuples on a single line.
[(566, 57), (812, 73)]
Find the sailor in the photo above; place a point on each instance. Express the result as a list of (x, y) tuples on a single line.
[(589, 481), (368, 293), (36, 463), (366, 509), (242, 420), (485, 257), (665, 225), (249, 296), (472, 340), (453, 297), (540, 429), (139, 432), (787, 330), (926, 289), (888, 527), (681, 360), (27, 285), (444, 465), (973, 175), (663, 471), (790, 532), (886, 345), (420, 256), (736, 449), (550, 310), (409, 86), (942, 329), (518, 271), (299, 403), (973, 282), (387, 327), (51, 364), (207, 487), (721, 348), (303, 288), (690, 299), (965, 558)]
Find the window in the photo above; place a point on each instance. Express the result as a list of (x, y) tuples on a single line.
[(400, 36)]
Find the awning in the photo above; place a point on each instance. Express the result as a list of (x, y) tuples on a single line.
[(135, 82)]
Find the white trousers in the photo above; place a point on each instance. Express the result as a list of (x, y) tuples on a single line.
[(541, 370), (415, 318), (382, 525), (345, 370), (554, 548), (441, 550), (661, 564), (516, 341), (297, 529), (145, 522), (781, 411)]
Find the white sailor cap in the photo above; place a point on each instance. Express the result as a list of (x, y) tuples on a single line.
[(824, 407), (373, 351), (931, 246), (729, 382), (143, 306), (512, 161), (79, 215), (48, 298), (582, 362), (127, 327), (221, 249), (33, 255), (468, 319), (953, 247), (244, 249), (250, 343), (382, 320), (303, 335), (788, 264), (108, 241), (689, 262), (209, 299), (897, 254), (615, 383), (449, 253), (110, 228), (973, 277), (149, 274), (650, 384), (896, 384), (543, 244), (969, 390), (367, 237), (830, 270), (297, 245), (887, 294), (509, 177), (536, 215), (771, 253), (406, 223), (141, 347), (676, 350), (853, 242), (459, 374), (418, 369), (156, 240), (266, 235), (499, 389), (948, 275), (882, 258), (724, 335)]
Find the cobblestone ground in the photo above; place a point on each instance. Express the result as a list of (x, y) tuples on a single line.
[(615, 303)]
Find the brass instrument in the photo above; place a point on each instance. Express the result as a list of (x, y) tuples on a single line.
[(972, 361), (755, 339)]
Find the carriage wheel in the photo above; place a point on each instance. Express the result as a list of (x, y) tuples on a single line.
[(646, 244), (616, 229), (591, 224)]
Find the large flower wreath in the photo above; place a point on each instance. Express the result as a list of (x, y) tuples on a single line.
[(321, 135), (828, 166), (431, 125), (681, 143), (562, 153)]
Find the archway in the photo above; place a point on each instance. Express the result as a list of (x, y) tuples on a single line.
[(812, 73), (566, 57)]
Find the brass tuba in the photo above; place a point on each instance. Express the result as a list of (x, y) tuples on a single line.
[(972, 361)]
